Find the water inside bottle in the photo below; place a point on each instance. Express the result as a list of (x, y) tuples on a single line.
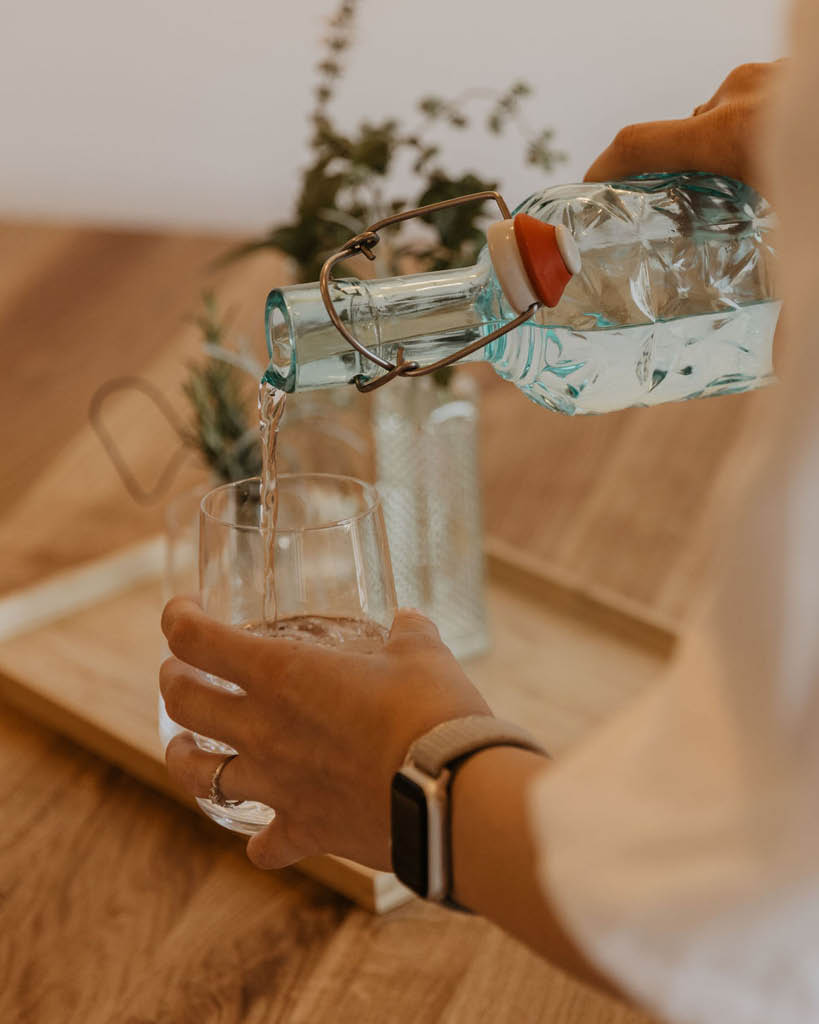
[(571, 371)]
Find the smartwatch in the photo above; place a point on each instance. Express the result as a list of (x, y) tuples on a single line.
[(419, 802)]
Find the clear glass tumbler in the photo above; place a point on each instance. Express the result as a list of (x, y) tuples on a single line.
[(334, 583)]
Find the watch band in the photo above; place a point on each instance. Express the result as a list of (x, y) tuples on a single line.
[(437, 755), (452, 740)]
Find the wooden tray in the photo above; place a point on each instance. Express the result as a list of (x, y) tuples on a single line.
[(80, 651)]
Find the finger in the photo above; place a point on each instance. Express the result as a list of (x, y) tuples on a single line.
[(191, 769), (196, 704), (654, 146), (744, 81), (225, 651), (410, 624), (203, 642), (276, 847), (728, 88)]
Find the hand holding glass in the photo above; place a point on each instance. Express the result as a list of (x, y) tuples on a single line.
[(334, 583)]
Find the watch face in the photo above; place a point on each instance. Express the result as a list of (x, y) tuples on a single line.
[(410, 834)]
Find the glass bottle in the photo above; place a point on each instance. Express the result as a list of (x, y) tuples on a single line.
[(654, 289)]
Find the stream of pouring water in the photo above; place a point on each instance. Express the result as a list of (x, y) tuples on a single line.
[(353, 633), (271, 410)]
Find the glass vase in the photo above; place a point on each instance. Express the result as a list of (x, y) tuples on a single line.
[(426, 456)]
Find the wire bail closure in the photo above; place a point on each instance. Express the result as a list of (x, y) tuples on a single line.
[(364, 243)]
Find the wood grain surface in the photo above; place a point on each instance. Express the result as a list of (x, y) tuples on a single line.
[(90, 673), (116, 905), (119, 908)]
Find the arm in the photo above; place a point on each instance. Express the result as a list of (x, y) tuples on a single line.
[(681, 839), (495, 862), (651, 834)]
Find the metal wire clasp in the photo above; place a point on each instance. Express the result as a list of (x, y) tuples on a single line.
[(364, 243)]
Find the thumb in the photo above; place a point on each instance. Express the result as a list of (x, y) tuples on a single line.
[(275, 847), (410, 624)]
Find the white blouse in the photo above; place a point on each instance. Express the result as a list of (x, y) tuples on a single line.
[(680, 842)]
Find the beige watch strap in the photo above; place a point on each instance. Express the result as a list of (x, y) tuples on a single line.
[(451, 740)]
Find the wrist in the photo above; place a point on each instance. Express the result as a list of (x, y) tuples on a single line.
[(399, 747), (420, 798), (495, 778), (496, 863)]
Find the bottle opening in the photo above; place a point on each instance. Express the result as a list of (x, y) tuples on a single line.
[(281, 370)]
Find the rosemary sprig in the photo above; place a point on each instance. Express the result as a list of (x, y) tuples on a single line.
[(224, 428)]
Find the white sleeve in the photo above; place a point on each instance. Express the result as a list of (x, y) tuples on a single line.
[(680, 843)]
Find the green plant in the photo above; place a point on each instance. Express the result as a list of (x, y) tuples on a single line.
[(348, 184)]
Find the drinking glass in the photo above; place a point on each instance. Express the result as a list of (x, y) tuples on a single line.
[(333, 577), (181, 574)]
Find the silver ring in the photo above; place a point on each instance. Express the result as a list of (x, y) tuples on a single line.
[(216, 795)]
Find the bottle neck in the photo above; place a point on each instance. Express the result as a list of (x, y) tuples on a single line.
[(422, 316)]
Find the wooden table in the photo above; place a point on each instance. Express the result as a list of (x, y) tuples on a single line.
[(119, 905), (116, 905)]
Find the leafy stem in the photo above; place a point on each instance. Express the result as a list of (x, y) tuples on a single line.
[(348, 183)]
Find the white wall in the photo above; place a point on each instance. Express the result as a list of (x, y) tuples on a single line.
[(193, 111)]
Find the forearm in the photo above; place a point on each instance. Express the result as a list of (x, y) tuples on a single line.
[(494, 859)]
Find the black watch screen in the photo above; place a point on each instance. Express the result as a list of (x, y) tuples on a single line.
[(410, 834)]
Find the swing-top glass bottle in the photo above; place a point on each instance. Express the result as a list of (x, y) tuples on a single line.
[(637, 292)]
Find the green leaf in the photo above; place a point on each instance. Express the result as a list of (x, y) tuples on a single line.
[(427, 153), (540, 152), (374, 147), (458, 226), (443, 376), (431, 106), (329, 68)]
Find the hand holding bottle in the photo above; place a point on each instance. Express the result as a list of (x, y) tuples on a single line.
[(719, 137)]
